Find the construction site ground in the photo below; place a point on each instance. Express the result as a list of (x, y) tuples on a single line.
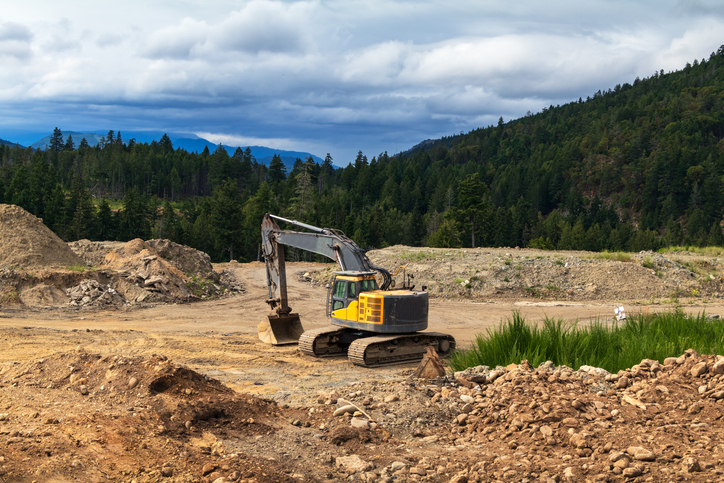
[(186, 392)]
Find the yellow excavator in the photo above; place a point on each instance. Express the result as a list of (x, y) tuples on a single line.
[(373, 323)]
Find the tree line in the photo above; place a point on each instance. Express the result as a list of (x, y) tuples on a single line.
[(636, 167)]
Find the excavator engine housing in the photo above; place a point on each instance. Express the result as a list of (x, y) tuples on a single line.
[(354, 301)]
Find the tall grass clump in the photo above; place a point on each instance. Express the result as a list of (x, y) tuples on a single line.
[(611, 346)]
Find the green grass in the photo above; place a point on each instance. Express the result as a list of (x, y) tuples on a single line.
[(612, 347), (417, 256), (615, 256), (708, 251), (648, 263)]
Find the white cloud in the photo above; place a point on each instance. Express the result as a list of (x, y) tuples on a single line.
[(15, 40), (263, 26), (695, 43), (108, 39), (286, 144), (176, 42), (62, 37), (12, 31)]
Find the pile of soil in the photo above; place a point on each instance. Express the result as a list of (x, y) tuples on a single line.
[(190, 261), (93, 253), (505, 273), (83, 417), (143, 275), (156, 271), (25, 242)]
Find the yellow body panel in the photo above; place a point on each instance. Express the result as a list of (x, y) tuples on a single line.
[(349, 313), (371, 307), (351, 278)]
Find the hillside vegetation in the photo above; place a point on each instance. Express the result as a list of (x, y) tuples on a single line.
[(638, 166)]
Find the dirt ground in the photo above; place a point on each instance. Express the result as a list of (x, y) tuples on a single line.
[(186, 392)]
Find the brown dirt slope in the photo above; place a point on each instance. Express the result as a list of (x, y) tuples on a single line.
[(505, 273), (25, 242)]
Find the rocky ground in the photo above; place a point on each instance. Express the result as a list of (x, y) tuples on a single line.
[(82, 417), (504, 273)]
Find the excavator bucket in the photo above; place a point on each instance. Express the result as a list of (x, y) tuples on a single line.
[(281, 329)]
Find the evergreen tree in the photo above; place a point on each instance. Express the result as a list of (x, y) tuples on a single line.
[(471, 202), (134, 219), (277, 171), (105, 221), (56, 141), (169, 222), (446, 236), (226, 217)]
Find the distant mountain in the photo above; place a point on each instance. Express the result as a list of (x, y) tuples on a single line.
[(193, 144), (10, 143), (92, 138)]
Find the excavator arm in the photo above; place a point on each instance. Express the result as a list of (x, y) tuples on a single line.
[(284, 327)]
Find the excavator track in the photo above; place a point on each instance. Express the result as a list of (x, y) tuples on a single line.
[(323, 342), (384, 350)]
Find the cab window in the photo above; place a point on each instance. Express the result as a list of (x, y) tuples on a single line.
[(351, 290), (367, 285), (339, 289), (338, 295)]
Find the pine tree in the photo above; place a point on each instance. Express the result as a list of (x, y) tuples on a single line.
[(471, 202), (226, 217), (56, 141), (106, 223), (277, 171)]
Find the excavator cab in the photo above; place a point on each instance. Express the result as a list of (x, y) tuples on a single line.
[(344, 291)]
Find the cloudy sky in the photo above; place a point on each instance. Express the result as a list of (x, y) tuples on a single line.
[(327, 76)]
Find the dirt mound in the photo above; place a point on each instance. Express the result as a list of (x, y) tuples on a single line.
[(143, 275), (43, 295), (658, 421), (91, 293), (83, 417), (484, 273), (120, 418), (192, 262), (26, 242), (93, 253), (157, 271)]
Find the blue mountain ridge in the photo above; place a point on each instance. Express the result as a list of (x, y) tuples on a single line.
[(10, 143), (193, 144)]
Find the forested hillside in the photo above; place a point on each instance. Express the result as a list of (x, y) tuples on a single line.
[(638, 166)]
